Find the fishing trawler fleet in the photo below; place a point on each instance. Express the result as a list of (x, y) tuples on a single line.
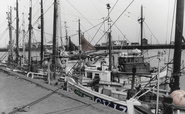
[(121, 80)]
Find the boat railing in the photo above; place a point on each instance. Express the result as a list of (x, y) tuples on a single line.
[(33, 75), (119, 95)]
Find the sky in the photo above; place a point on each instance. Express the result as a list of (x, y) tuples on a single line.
[(124, 15)]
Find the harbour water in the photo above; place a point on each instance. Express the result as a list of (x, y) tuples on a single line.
[(154, 61)]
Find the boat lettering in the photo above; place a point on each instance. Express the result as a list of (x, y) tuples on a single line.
[(81, 94), (110, 104)]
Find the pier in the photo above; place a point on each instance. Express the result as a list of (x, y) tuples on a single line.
[(149, 46)]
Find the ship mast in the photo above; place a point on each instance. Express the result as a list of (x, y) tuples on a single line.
[(10, 34), (142, 19), (174, 84), (17, 31), (67, 41), (109, 36), (80, 48), (141, 22), (54, 36), (23, 42), (42, 33), (29, 42)]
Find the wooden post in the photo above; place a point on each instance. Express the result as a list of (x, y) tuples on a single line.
[(30, 35), (42, 33), (54, 37), (174, 84), (17, 32)]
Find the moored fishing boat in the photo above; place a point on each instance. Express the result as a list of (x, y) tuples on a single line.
[(104, 84)]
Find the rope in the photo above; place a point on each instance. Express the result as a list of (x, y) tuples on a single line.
[(34, 102)]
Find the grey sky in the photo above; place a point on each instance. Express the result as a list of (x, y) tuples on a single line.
[(157, 14)]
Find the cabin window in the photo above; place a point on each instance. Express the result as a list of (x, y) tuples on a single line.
[(132, 60), (97, 75), (128, 60), (136, 60), (89, 75), (122, 61), (140, 60)]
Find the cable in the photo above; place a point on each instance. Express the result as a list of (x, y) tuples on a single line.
[(122, 33), (112, 24), (118, 17), (152, 33), (96, 7), (33, 8), (34, 102), (173, 20), (69, 109), (3, 23), (3, 33), (80, 13)]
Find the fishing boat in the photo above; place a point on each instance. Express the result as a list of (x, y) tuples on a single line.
[(176, 104), (105, 97), (115, 88)]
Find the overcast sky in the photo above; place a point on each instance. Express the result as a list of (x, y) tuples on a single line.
[(157, 24)]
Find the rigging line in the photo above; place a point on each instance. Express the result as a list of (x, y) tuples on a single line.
[(118, 17), (84, 31), (43, 14), (153, 34), (88, 21), (45, 1), (34, 37), (96, 7), (35, 14), (47, 33), (173, 20), (80, 14), (168, 19), (103, 22), (113, 6), (47, 10), (91, 104), (122, 12), (4, 56), (122, 33), (95, 35), (77, 107), (35, 3), (71, 34), (68, 109), (37, 10), (92, 28), (13, 20), (34, 102), (3, 23), (2, 34)]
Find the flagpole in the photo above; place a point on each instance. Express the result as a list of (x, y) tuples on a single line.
[(79, 33)]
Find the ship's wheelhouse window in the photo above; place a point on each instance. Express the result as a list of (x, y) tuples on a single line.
[(140, 60), (136, 60), (122, 60), (89, 75), (96, 75), (132, 60), (128, 60)]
